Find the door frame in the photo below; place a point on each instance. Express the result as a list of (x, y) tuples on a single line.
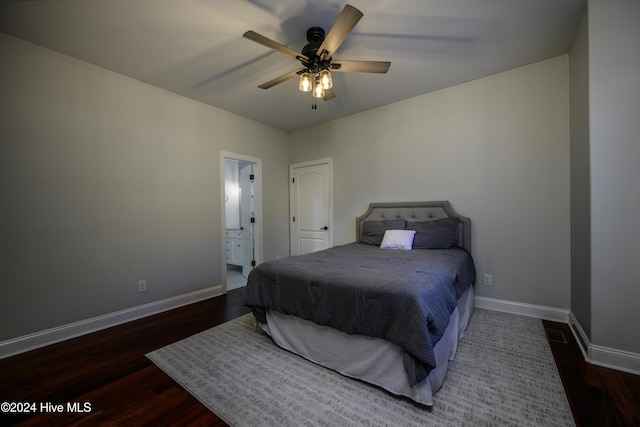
[(257, 229), (329, 162)]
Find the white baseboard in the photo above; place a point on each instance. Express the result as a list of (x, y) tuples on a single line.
[(604, 356), (597, 355), (531, 310), (50, 336), (594, 354)]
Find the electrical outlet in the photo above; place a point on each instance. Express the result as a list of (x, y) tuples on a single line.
[(142, 286), (488, 280)]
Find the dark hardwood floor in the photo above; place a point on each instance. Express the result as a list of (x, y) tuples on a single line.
[(598, 396), (109, 371)]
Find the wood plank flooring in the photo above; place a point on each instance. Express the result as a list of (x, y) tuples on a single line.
[(598, 396), (108, 370)]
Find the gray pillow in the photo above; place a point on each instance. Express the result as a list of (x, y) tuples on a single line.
[(438, 234), (373, 231)]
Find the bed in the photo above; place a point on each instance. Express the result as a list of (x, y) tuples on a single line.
[(387, 309)]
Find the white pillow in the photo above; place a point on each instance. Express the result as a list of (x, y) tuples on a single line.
[(398, 239)]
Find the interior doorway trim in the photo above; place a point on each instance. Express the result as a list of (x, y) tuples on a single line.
[(257, 229)]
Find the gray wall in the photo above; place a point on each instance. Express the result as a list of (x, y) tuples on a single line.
[(580, 180), (105, 181), (496, 148), (614, 116)]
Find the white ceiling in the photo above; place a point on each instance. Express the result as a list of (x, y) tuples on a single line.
[(195, 47)]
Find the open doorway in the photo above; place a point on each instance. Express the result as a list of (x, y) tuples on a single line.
[(241, 213)]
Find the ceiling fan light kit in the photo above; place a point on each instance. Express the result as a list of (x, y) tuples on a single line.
[(317, 56), (305, 82), (318, 89), (325, 79)]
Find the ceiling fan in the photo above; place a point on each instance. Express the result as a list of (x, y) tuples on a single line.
[(317, 56)]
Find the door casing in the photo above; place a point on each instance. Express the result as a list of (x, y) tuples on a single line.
[(257, 229)]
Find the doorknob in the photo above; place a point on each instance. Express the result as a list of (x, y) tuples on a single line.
[(324, 228)]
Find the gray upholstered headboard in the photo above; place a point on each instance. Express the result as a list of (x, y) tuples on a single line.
[(416, 211)]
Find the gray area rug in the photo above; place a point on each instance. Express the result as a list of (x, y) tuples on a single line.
[(503, 375)]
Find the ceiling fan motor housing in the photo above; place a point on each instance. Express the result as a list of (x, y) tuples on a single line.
[(315, 37)]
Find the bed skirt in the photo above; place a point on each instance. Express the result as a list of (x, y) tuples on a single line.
[(370, 359)]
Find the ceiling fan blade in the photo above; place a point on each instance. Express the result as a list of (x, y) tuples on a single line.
[(329, 94), (281, 79), (361, 66), (348, 19), (258, 38)]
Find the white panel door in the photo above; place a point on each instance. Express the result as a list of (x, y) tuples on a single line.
[(310, 207)]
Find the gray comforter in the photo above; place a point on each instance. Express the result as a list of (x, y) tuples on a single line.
[(405, 297)]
